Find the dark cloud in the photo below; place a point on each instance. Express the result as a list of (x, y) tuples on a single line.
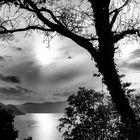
[(15, 92), (57, 94), (69, 57), (63, 76), (133, 61), (65, 94), (135, 66), (26, 70), (10, 79), (16, 48), (53, 74), (67, 53), (2, 58), (132, 65), (59, 76), (135, 54), (19, 49)]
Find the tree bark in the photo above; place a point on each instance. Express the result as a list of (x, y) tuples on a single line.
[(117, 93), (107, 67)]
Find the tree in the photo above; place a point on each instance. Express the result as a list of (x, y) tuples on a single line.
[(91, 115), (7, 130), (95, 25)]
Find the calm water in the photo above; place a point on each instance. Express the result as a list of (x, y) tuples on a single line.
[(38, 126)]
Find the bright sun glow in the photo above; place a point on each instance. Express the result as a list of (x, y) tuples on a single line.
[(43, 55)]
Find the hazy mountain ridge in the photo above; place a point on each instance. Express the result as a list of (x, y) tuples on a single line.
[(15, 110), (47, 107)]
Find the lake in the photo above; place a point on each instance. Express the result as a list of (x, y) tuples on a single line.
[(42, 126)]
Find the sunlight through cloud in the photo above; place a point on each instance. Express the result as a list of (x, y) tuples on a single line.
[(43, 55)]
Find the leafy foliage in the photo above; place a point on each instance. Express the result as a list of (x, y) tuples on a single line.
[(7, 130), (91, 115)]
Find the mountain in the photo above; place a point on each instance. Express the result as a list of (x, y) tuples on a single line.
[(15, 110), (47, 107)]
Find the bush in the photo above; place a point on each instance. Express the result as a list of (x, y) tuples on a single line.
[(91, 116), (7, 130)]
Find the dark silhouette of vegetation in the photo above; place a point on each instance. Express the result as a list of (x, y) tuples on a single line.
[(7, 129), (92, 116), (95, 25)]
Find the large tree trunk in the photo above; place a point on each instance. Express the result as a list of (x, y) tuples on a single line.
[(107, 67), (117, 93)]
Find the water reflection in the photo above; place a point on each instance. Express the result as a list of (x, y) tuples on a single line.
[(39, 126)]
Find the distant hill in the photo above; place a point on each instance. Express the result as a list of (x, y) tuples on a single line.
[(15, 110), (47, 107)]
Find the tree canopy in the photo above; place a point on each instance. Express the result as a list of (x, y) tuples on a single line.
[(72, 19), (7, 129), (92, 115)]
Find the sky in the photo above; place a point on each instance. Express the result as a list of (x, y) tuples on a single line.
[(30, 71)]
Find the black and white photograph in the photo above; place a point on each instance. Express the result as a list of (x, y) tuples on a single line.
[(69, 69)]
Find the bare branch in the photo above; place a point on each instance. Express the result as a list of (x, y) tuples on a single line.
[(114, 19), (116, 13), (51, 13), (51, 25), (6, 31), (122, 34), (83, 42), (120, 8)]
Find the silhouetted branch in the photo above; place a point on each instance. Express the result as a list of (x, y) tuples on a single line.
[(114, 18), (120, 8), (122, 34), (83, 42), (116, 13), (6, 31), (51, 13)]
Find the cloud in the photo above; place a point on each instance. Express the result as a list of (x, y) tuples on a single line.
[(135, 54), (133, 61), (19, 49), (65, 94), (126, 65), (25, 70), (2, 58), (63, 75), (20, 94), (71, 68), (18, 91), (134, 66), (60, 76), (15, 93), (57, 73), (10, 79)]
